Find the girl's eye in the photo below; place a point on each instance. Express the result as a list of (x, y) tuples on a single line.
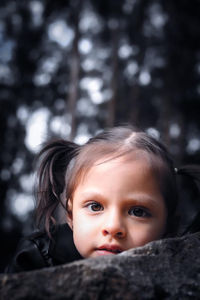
[(95, 206), (138, 212)]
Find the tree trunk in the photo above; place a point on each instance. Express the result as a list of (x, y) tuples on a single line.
[(114, 81), (74, 69)]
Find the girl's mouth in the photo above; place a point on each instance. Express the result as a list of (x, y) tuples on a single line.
[(108, 250)]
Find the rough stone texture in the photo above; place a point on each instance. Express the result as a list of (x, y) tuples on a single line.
[(167, 269)]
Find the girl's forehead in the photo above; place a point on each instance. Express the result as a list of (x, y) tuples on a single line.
[(114, 162), (121, 177), (147, 160)]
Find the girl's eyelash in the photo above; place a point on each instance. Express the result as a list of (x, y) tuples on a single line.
[(139, 212), (136, 211), (94, 206)]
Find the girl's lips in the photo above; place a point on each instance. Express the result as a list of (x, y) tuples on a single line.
[(104, 252), (108, 250)]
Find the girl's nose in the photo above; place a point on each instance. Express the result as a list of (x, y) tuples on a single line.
[(113, 226)]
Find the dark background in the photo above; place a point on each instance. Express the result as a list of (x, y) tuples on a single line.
[(71, 68)]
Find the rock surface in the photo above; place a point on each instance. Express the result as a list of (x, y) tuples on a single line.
[(166, 269)]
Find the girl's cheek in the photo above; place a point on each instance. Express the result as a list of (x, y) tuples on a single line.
[(145, 234), (83, 222)]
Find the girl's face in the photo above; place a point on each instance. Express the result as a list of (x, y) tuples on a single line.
[(117, 206)]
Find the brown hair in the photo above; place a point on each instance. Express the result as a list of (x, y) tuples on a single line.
[(64, 163), (53, 160)]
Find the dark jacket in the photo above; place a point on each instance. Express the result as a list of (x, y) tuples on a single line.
[(39, 251)]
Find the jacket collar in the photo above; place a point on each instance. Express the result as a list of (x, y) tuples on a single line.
[(61, 247)]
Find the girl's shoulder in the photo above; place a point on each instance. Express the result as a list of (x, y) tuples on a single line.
[(38, 251)]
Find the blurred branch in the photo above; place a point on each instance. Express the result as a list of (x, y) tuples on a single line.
[(74, 68), (114, 81)]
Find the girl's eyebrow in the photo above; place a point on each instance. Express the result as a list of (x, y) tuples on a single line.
[(92, 194), (143, 197), (131, 198)]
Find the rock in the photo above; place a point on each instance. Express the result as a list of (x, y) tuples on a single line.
[(165, 269)]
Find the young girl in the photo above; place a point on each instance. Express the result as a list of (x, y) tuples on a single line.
[(119, 191)]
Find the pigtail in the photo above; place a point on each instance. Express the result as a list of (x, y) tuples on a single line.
[(192, 172), (54, 160)]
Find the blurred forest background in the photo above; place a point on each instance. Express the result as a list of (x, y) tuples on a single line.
[(71, 67)]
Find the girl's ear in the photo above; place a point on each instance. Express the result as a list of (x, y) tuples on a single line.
[(69, 214)]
